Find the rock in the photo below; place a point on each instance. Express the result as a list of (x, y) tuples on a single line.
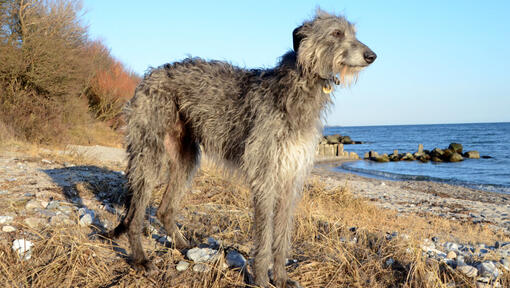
[(323, 140), (424, 158), (486, 157), (446, 154), (389, 261), (86, 220), (436, 159), (346, 140), (455, 147), (420, 148), (488, 269), (372, 154), (340, 149), (394, 157), (182, 266), (353, 155), (455, 157), (395, 153), (436, 152), (34, 222), (8, 228), (333, 139), (53, 205), (382, 158), (201, 255), (213, 243), (33, 204), (472, 154), (201, 268), (23, 247), (450, 246), (235, 260), (451, 255), (468, 270), (366, 155), (408, 157), (6, 219)]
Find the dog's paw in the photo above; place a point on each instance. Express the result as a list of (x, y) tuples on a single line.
[(147, 267)]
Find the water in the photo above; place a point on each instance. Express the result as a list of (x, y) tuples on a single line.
[(492, 139)]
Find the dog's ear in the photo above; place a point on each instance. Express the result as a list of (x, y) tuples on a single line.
[(297, 37)]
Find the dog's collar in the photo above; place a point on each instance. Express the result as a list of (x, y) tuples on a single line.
[(327, 87)]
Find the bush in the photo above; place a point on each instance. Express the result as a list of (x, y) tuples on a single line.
[(50, 72)]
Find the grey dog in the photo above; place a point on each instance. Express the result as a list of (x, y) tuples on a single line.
[(264, 123)]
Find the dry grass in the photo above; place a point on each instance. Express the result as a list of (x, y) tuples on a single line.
[(329, 253)]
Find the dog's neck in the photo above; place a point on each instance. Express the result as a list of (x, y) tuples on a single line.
[(306, 96)]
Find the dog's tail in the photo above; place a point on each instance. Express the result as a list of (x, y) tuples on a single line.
[(147, 116)]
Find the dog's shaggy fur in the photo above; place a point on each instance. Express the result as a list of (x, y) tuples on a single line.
[(265, 123)]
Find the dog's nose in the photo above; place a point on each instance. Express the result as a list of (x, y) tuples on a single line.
[(369, 56)]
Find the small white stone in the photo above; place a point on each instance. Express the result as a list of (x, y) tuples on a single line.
[(201, 255), (6, 219), (33, 204), (45, 161), (8, 228), (86, 220), (23, 248), (182, 266)]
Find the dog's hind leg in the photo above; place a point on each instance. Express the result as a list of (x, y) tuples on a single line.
[(184, 155)]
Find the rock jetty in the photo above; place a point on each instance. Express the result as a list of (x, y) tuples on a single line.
[(454, 153), (332, 146)]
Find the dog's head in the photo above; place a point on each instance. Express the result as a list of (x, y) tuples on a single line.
[(327, 46)]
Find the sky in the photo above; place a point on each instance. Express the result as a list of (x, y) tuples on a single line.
[(438, 61)]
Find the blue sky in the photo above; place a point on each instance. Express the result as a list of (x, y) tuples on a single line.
[(438, 61)]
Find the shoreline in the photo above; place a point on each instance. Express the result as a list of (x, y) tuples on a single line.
[(429, 197)]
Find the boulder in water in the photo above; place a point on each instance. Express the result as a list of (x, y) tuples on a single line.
[(472, 154), (456, 147), (334, 139), (455, 157)]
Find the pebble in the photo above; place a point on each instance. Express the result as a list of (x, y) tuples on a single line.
[(8, 228), (450, 246), (201, 255), (235, 259), (451, 255), (6, 219), (182, 266), (488, 269), (23, 248), (53, 205), (86, 220), (34, 222), (389, 261), (468, 270), (33, 204)]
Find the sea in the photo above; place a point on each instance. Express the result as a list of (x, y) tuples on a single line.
[(490, 139)]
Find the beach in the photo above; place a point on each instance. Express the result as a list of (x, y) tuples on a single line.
[(345, 222), (441, 199)]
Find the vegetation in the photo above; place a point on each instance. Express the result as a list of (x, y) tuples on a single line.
[(329, 252), (53, 78)]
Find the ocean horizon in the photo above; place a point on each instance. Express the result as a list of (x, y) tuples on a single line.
[(490, 139)]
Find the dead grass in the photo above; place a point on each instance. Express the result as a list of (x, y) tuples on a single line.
[(330, 252)]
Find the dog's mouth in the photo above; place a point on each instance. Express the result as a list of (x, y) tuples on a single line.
[(347, 74)]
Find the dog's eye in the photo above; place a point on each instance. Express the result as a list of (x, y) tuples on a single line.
[(338, 34)]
